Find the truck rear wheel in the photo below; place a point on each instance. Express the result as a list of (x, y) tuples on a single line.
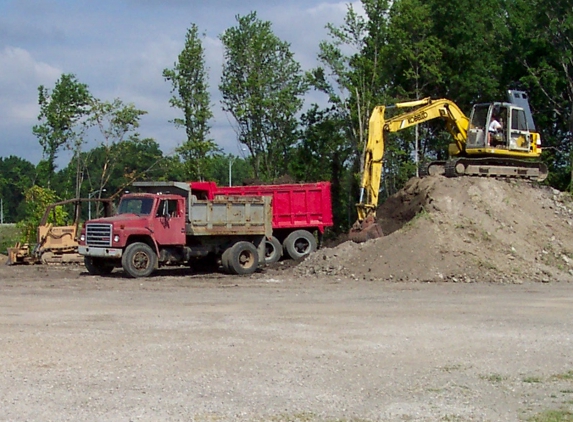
[(273, 250), (139, 260), (98, 266), (299, 244), (242, 258), (225, 260)]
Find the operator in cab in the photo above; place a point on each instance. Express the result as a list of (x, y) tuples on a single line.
[(495, 129)]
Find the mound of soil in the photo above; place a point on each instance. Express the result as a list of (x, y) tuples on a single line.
[(461, 230)]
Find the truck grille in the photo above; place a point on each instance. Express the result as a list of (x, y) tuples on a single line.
[(98, 235)]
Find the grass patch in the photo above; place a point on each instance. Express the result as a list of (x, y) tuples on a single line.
[(567, 376), (309, 417), (450, 368), (553, 416), (487, 265), (493, 377), (9, 235), (532, 380), (452, 418)]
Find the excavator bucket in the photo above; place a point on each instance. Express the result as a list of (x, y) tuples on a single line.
[(364, 230)]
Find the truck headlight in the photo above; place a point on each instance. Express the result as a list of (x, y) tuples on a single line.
[(116, 238), (82, 238)]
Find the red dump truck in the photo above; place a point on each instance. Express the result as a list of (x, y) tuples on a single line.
[(300, 211), (167, 224)]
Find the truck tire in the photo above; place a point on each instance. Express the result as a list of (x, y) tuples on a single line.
[(299, 244), (98, 266), (139, 260), (225, 260), (273, 250), (242, 258)]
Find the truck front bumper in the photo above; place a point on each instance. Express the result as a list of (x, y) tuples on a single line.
[(100, 252)]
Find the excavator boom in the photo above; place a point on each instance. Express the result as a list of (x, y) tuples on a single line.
[(457, 125)]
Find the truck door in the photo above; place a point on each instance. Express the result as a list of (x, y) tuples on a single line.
[(169, 222)]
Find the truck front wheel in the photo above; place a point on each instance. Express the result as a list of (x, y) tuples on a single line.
[(242, 258), (98, 266), (299, 244), (139, 260)]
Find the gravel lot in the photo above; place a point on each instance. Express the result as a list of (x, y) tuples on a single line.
[(275, 347)]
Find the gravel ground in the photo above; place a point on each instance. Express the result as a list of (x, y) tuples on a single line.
[(272, 347)]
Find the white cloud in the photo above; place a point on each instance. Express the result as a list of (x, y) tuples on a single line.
[(20, 76)]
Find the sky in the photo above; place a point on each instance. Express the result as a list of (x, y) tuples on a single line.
[(119, 48)]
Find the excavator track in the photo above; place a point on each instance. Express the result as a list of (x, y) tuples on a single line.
[(490, 167), (435, 168)]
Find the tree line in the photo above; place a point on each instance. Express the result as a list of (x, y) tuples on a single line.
[(386, 52)]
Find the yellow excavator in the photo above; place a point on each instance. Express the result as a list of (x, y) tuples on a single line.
[(498, 140)]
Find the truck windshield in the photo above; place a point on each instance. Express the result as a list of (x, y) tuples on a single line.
[(140, 206)]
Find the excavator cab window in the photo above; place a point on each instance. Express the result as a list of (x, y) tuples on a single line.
[(520, 137), (478, 126), (481, 133)]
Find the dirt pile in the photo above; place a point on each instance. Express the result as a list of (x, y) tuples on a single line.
[(461, 230)]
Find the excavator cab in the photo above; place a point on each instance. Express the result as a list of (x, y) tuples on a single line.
[(516, 134), (483, 132)]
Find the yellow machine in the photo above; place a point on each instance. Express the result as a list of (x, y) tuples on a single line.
[(56, 244), (479, 147)]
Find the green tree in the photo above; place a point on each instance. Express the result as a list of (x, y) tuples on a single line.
[(413, 57), (37, 200), (135, 159), (262, 87), (115, 122), (188, 78), (355, 77), (473, 43), (323, 153), (541, 61), (353, 72), (17, 175), (61, 112), (220, 165)]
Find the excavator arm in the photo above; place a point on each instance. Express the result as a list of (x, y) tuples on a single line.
[(424, 110)]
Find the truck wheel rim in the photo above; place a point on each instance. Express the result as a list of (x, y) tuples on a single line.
[(270, 250), (246, 259), (140, 261), (302, 246)]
